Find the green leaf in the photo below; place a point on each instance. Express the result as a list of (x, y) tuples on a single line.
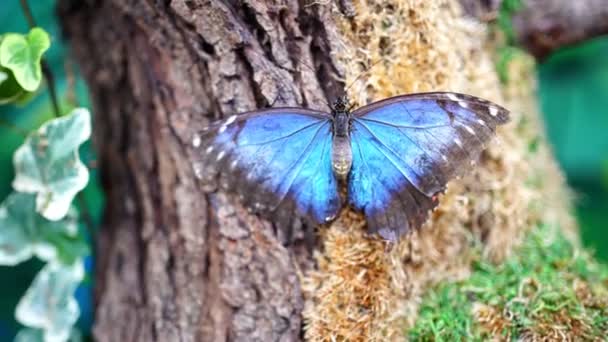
[(22, 53), (15, 245), (10, 90), (29, 335), (37, 335), (24, 233), (48, 163), (49, 303)]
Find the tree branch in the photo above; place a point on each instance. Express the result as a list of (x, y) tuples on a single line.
[(543, 26)]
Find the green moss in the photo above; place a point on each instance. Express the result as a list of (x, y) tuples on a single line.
[(504, 56), (547, 289), (508, 8), (507, 51)]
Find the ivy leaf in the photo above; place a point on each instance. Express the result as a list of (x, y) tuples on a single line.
[(10, 90), (24, 233), (48, 163), (37, 335), (49, 302), (22, 53), (15, 244), (29, 335)]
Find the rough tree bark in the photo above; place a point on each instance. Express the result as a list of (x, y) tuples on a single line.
[(176, 263)]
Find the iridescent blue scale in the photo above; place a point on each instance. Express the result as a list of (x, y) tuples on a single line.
[(393, 157)]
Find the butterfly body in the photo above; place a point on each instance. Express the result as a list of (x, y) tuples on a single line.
[(393, 157), (341, 152)]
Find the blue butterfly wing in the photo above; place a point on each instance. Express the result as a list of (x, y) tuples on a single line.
[(278, 160), (406, 149)]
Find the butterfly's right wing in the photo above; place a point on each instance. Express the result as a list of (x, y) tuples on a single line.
[(407, 148), (278, 160)]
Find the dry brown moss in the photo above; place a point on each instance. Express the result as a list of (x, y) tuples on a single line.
[(365, 290)]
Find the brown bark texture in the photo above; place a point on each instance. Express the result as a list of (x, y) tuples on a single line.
[(543, 26), (177, 262)]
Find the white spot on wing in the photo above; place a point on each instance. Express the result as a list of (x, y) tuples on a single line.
[(196, 141), (220, 155), (453, 97), (463, 104), (481, 122), (469, 129), (458, 142), (230, 120), (209, 149), (445, 159), (226, 123), (493, 111), (233, 164), (198, 170)]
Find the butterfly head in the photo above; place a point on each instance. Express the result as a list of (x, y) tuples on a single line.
[(341, 105), (341, 117)]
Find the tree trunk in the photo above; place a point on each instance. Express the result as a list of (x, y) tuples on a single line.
[(175, 263), (179, 262)]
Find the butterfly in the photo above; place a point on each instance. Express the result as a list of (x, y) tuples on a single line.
[(389, 159)]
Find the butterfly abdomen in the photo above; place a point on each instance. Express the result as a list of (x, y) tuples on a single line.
[(341, 152), (341, 156)]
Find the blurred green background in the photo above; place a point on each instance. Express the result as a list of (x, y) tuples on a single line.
[(14, 121), (573, 91)]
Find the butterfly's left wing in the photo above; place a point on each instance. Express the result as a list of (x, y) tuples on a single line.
[(277, 160), (405, 150)]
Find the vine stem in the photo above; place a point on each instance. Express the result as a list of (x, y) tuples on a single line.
[(46, 70)]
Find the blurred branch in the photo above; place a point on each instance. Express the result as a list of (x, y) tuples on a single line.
[(543, 26), (484, 10)]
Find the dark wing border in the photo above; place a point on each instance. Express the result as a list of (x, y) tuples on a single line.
[(476, 104)]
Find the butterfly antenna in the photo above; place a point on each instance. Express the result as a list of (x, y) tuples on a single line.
[(361, 74)]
